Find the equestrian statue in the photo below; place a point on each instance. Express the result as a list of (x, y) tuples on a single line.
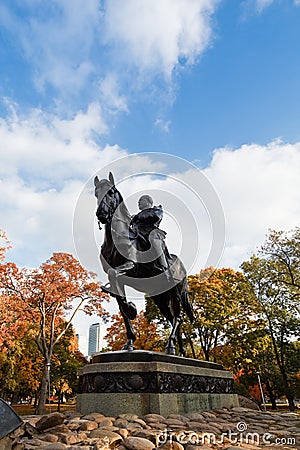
[(134, 253)]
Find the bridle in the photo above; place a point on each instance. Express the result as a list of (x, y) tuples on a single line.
[(109, 207)]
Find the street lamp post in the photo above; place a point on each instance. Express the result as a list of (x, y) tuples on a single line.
[(49, 387), (261, 391)]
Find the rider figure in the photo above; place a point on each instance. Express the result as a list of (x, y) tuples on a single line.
[(146, 232)]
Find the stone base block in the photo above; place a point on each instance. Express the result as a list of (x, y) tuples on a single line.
[(141, 382)]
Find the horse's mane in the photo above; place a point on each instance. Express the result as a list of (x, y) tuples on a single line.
[(122, 210)]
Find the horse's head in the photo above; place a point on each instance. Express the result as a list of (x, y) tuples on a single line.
[(108, 198)]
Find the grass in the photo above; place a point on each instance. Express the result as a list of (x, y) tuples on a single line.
[(28, 410)]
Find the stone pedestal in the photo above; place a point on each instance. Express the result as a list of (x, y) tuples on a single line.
[(142, 382)]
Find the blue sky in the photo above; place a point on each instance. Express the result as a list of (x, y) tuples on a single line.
[(85, 82), (244, 89), (240, 86)]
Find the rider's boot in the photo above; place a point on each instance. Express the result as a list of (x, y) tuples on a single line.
[(107, 289)]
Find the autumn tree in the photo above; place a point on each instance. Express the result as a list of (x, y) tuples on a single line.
[(147, 337), (153, 315), (222, 301), (275, 276), (14, 320), (59, 287)]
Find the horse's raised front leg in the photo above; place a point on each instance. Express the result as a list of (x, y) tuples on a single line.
[(127, 309), (117, 288), (129, 330)]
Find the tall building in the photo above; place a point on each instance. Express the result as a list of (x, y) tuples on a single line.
[(94, 338), (82, 344)]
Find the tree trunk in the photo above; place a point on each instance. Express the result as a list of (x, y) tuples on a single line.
[(206, 354), (281, 366), (59, 395), (41, 406), (271, 395), (291, 403), (35, 401), (287, 389), (192, 346)]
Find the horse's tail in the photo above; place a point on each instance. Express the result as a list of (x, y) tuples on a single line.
[(185, 301), (179, 274)]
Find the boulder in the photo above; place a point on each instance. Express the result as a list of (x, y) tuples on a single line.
[(50, 421), (137, 443)]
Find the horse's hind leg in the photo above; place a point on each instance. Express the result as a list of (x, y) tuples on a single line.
[(129, 330), (176, 322), (182, 350), (162, 301), (171, 349)]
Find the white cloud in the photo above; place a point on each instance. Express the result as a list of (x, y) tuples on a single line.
[(73, 45), (43, 146), (163, 125), (160, 35), (45, 162), (59, 46), (57, 40), (259, 187), (110, 94), (261, 5)]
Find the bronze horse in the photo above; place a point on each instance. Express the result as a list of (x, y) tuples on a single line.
[(118, 258)]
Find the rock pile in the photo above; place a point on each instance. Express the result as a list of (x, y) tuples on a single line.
[(234, 429)]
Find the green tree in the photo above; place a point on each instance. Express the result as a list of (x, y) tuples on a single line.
[(20, 369), (274, 275), (65, 364), (251, 352), (293, 365), (223, 301)]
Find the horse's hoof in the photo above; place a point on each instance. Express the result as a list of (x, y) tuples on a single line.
[(129, 347), (171, 351)]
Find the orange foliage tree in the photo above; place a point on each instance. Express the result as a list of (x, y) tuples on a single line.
[(147, 337), (44, 296), (13, 323)]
